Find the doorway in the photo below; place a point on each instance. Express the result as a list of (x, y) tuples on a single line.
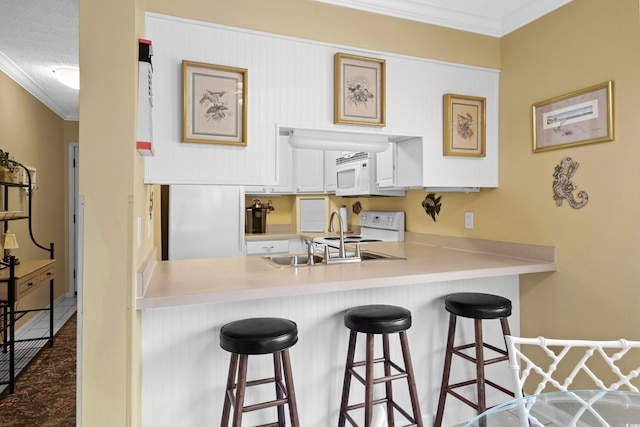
[(73, 162), (75, 226)]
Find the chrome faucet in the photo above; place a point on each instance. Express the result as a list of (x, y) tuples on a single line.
[(310, 252), (341, 250)]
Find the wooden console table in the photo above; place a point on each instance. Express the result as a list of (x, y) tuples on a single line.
[(17, 281)]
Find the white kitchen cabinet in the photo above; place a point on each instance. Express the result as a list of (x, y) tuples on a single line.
[(266, 247), (309, 170), (385, 168), (277, 246), (284, 167), (330, 175), (401, 165)]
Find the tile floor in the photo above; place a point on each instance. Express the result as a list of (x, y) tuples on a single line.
[(38, 326)]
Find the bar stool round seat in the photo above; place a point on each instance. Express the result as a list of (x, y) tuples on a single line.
[(372, 320), (378, 319), (479, 307), (259, 336)]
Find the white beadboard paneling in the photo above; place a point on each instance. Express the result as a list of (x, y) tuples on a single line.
[(184, 369), (291, 82)]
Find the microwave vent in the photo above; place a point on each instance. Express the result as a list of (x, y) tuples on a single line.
[(355, 157)]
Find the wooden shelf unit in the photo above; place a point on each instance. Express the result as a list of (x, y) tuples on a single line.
[(19, 280)]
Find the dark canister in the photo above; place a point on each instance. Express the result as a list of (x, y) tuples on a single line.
[(256, 217)]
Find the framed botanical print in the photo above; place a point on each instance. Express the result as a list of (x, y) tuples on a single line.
[(464, 125), (359, 90), (214, 104)]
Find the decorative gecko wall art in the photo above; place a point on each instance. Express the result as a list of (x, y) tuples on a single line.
[(563, 187)]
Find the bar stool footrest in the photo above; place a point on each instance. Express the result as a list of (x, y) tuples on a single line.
[(380, 401), (457, 351), (401, 372)]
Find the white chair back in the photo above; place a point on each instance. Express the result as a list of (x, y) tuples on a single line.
[(591, 354)]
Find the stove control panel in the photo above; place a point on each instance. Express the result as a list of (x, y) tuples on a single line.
[(382, 220)]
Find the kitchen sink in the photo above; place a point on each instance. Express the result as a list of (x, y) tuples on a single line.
[(292, 260), (365, 256), (301, 260)]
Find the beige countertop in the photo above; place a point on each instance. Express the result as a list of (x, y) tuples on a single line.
[(429, 259)]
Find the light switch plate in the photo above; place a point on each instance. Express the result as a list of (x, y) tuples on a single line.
[(468, 220)]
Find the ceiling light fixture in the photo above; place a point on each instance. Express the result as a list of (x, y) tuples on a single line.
[(339, 141), (68, 76)]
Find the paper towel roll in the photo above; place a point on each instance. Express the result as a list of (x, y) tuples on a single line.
[(344, 213)]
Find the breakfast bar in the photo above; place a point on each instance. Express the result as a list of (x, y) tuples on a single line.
[(185, 303)]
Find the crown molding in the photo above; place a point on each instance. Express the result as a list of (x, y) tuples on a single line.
[(491, 24), (529, 13), (12, 70)]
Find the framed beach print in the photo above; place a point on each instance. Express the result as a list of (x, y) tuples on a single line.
[(581, 117), (359, 90), (464, 125), (214, 104)]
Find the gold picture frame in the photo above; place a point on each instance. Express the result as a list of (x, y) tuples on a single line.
[(214, 104), (577, 118), (464, 125), (359, 90)]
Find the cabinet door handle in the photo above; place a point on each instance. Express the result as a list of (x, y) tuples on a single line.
[(48, 273), (30, 284)]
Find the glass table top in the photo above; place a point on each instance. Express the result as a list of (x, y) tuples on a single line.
[(588, 408)]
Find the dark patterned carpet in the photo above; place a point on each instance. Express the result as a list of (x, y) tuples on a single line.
[(45, 394)]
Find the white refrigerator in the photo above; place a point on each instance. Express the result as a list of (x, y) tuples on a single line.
[(205, 221)]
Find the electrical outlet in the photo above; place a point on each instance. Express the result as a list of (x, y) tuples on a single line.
[(468, 220)]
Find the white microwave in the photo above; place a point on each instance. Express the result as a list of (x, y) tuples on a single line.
[(357, 176)]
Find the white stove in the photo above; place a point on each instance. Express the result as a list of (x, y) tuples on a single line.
[(375, 226)]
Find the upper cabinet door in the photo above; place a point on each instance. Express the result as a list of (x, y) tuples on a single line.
[(284, 167), (309, 170), (330, 174), (385, 168)]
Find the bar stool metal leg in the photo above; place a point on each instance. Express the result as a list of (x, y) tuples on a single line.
[(387, 373), (413, 391), (277, 368), (228, 397), (482, 399), (444, 388), (346, 385), (368, 399), (241, 387), (291, 394)]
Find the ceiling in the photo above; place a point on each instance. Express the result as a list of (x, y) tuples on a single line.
[(37, 36)]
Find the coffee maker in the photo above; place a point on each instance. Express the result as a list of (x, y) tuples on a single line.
[(256, 217)]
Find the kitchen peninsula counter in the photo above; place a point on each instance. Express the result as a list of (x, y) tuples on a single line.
[(183, 305), (428, 258)]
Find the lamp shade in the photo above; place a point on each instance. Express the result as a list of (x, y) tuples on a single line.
[(9, 240)]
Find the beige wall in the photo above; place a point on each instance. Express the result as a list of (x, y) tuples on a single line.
[(114, 197), (591, 292), (594, 294), (35, 136)]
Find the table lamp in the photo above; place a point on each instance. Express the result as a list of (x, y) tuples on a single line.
[(8, 241)]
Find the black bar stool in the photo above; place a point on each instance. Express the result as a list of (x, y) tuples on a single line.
[(476, 306), (384, 320), (259, 336)]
